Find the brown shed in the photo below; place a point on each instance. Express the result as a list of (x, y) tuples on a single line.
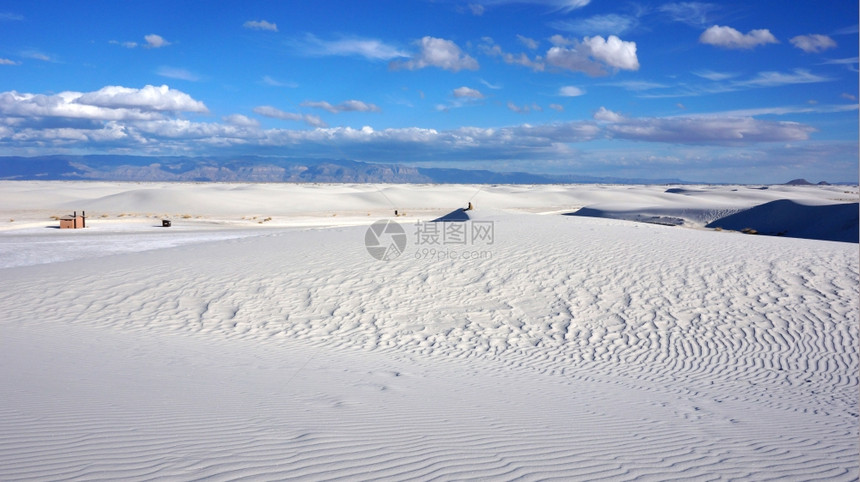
[(73, 221)]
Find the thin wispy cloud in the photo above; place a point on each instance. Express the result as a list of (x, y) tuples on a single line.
[(462, 97), (715, 76), (240, 120), (346, 106), (559, 6), (712, 130), (694, 14), (260, 25), (850, 30), (151, 41), (530, 43), (776, 79), (490, 48), (609, 24), (524, 109), (767, 79), (490, 85), (850, 62), (638, 85), (177, 73), (127, 44), (787, 110), (10, 17), (371, 49), (275, 113), (272, 82), (38, 55)]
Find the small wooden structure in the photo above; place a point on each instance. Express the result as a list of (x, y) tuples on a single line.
[(165, 223), (74, 221)]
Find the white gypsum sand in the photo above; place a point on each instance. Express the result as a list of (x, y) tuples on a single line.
[(569, 347)]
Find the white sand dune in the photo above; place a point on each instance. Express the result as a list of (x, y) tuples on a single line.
[(704, 206), (569, 347), (831, 222)]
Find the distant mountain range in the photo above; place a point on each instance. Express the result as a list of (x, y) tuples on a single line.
[(267, 169), (804, 182)]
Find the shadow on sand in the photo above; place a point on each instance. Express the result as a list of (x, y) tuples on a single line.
[(832, 222), (457, 216)]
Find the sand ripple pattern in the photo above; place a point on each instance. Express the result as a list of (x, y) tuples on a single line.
[(636, 325)]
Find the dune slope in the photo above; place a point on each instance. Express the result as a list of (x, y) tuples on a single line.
[(568, 347), (831, 222)]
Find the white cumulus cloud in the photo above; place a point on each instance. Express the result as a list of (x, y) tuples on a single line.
[(593, 54), (111, 103), (155, 41), (437, 52), (467, 92), (729, 38), (613, 52), (813, 43), (150, 97), (570, 91), (605, 115)]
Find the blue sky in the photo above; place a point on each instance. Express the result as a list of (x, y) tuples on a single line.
[(762, 91)]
